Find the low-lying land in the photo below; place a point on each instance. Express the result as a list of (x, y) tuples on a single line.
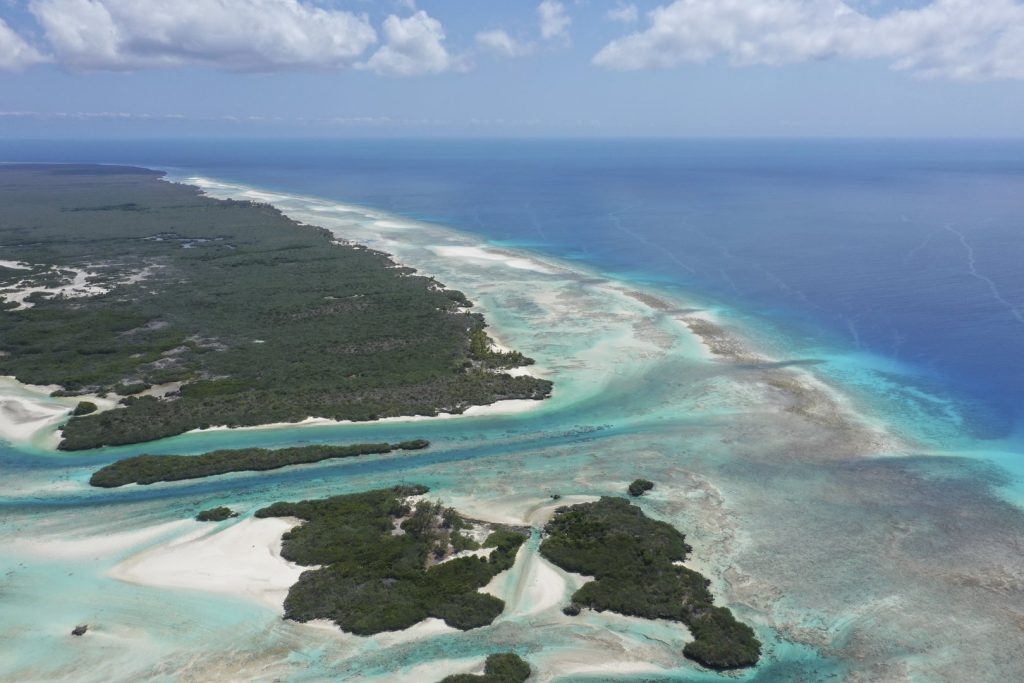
[(505, 667), (116, 281), (635, 564), (149, 469), (386, 563)]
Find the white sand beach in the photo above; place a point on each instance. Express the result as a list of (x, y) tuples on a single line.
[(509, 407)]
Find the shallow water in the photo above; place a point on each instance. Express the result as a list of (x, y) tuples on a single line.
[(840, 507)]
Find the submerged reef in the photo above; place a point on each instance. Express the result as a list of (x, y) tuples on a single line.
[(635, 562), (199, 312), (504, 667), (387, 562), (149, 469)]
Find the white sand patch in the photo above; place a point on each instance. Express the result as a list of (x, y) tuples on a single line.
[(74, 287), (29, 415), (21, 419), (533, 585), (491, 256), (428, 628), (243, 559), (518, 510), (94, 547), (392, 225)]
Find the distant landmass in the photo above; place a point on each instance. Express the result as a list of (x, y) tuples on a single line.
[(202, 312)]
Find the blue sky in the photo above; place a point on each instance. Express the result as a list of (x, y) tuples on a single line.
[(695, 68)]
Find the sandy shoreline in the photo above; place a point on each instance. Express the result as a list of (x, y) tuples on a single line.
[(30, 416), (507, 407)]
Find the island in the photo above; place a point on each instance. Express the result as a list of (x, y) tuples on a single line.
[(504, 667), (217, 514), (637, 567), (639, 487), (150, 469), (389, 559), (196, 312)]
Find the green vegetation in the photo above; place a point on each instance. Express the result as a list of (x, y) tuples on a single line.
[(149, 469), (262, 319), (481, 349), (505, 667), (218, 514), (84, 408), (631, 558), (380, 566), (639, 487)]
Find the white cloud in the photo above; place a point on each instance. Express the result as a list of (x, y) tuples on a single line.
[(499, 42), (958, 39), (554, 20), (15, 52), (413, 46), (231, 34), (625, 13)]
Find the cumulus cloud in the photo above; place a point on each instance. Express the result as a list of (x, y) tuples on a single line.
[(625, 13), (554, 20), (232, 34), (958, 39), (500, 43), (15, 52), (413, 46)]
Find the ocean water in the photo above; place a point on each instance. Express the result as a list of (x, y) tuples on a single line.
[(850, 478)]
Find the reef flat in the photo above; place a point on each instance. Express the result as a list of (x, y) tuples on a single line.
[(202, 312)]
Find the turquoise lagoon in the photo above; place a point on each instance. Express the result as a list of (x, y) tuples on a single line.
[(839, 501)]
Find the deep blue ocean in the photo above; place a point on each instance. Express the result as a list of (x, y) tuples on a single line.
[(908, 250)]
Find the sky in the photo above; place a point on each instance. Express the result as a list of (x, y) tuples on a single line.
[(554, 68)]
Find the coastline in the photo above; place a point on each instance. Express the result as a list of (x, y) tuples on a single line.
[(812, 395)]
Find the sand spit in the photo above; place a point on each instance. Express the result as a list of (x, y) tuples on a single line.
[(241, 559)]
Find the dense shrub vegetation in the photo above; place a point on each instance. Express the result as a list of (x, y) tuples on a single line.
[(639, 487), (263, 319), (631, 558), (84, 408), (149, 469), (379, 563), (218, 514), (505, 667)]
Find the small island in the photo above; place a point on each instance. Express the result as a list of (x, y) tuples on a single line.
[(150, 469), (504, 667), (639, 487), (195, 312), (217, 514), (637, 570), (389, 559)]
